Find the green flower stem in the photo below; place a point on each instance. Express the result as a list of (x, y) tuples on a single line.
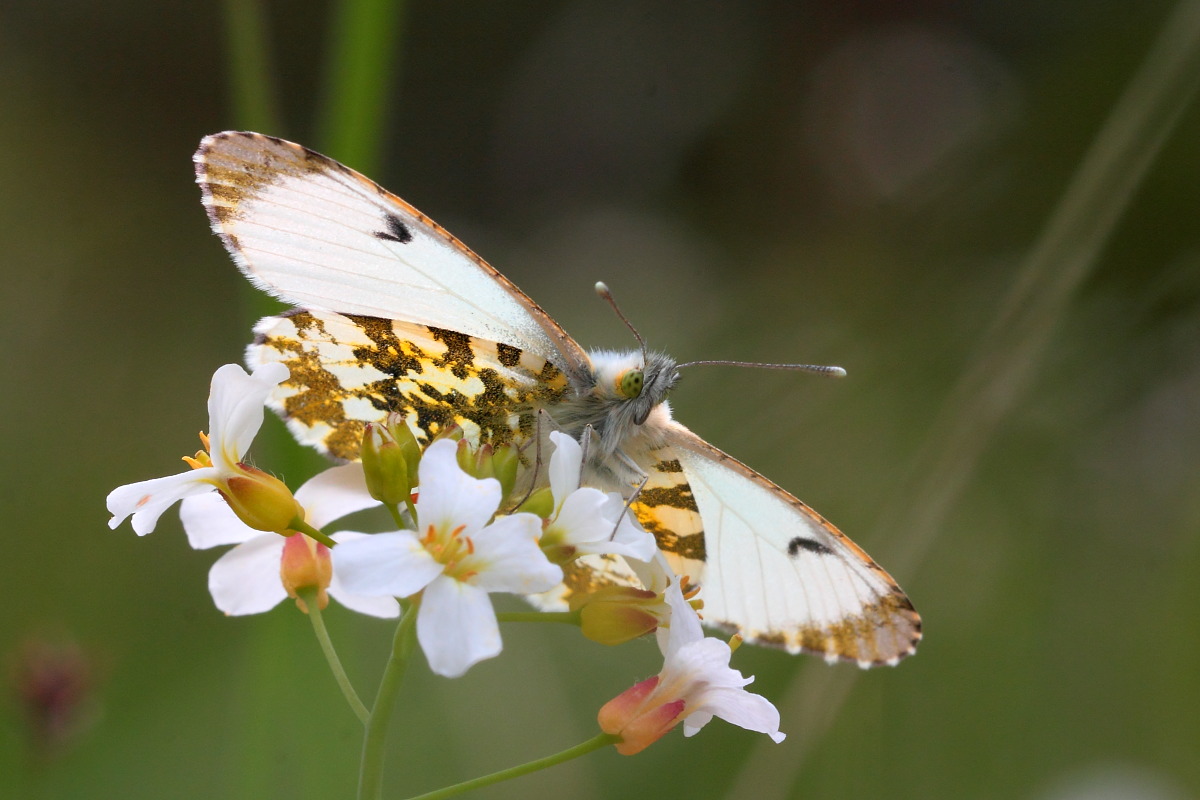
[(309, 596), (370, 775), (253, 96), (595, 743), (397, 517), (311, 532), (568, 617), (363, 49)]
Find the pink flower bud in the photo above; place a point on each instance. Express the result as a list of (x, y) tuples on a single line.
[(306, 564), (639, 716)]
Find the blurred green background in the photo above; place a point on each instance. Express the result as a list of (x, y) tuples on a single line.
[(858, 183)]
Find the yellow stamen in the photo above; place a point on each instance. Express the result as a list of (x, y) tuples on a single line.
[(198, 461)]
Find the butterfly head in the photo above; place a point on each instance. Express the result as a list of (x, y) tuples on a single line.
[(627, 397), (645, 385)]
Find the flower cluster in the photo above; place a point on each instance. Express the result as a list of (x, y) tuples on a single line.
[(461, 533)]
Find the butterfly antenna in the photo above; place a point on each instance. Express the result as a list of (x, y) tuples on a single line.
[(815, 369), (607, 295)]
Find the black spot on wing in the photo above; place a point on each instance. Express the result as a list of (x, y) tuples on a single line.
[(811, 545), (396, 231), (509, 356)]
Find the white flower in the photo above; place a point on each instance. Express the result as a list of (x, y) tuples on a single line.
[(696, 684), (248, 579), (454, 561), (235, 413), (586, 520)]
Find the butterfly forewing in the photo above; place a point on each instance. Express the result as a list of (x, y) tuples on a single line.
[(780, 574), (318, 234), (348, 370)]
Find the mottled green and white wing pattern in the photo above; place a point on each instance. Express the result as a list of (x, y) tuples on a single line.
[(348, 370)]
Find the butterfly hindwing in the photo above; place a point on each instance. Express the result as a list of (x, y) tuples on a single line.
[(666, 508), (348, 370), (781, 575)]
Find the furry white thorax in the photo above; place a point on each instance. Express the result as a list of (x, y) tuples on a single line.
[(621, 425)]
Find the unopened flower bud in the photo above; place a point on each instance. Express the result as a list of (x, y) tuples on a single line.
[(505, 462), (475, 461), (260, 500), (385, 466), (541, 503), (306, 564), (616, 614), (398, 429), (490, 461), (637, 718)]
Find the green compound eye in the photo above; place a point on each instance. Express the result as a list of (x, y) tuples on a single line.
[(630, 383)]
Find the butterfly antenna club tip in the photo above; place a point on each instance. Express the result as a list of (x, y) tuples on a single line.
[(607, 296)]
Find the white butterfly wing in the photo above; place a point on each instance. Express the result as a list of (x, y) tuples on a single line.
[(780, 574), (319, 235)]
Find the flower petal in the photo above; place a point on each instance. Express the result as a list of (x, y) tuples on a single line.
[(450, 497), (384, 564), (744, 709), (456, 626), (507, 557), (684, 628), (595, 522), (566, 466), (147, 500), (246, 579), (634, 541), (580, 520), (235, 409), (333, 494), (385, 607), (208, 521)]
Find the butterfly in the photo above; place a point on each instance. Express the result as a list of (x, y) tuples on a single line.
[(393, 314)]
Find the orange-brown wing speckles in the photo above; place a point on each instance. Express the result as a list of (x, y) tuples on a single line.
[(347, 371), (236, 166), (666, 508)]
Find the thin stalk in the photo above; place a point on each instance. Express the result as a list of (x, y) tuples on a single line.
[(313, 533), (363, 52), (251, 90), (370, 775), (595, 743), (397, 517), (568, 617), (335, 664)]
